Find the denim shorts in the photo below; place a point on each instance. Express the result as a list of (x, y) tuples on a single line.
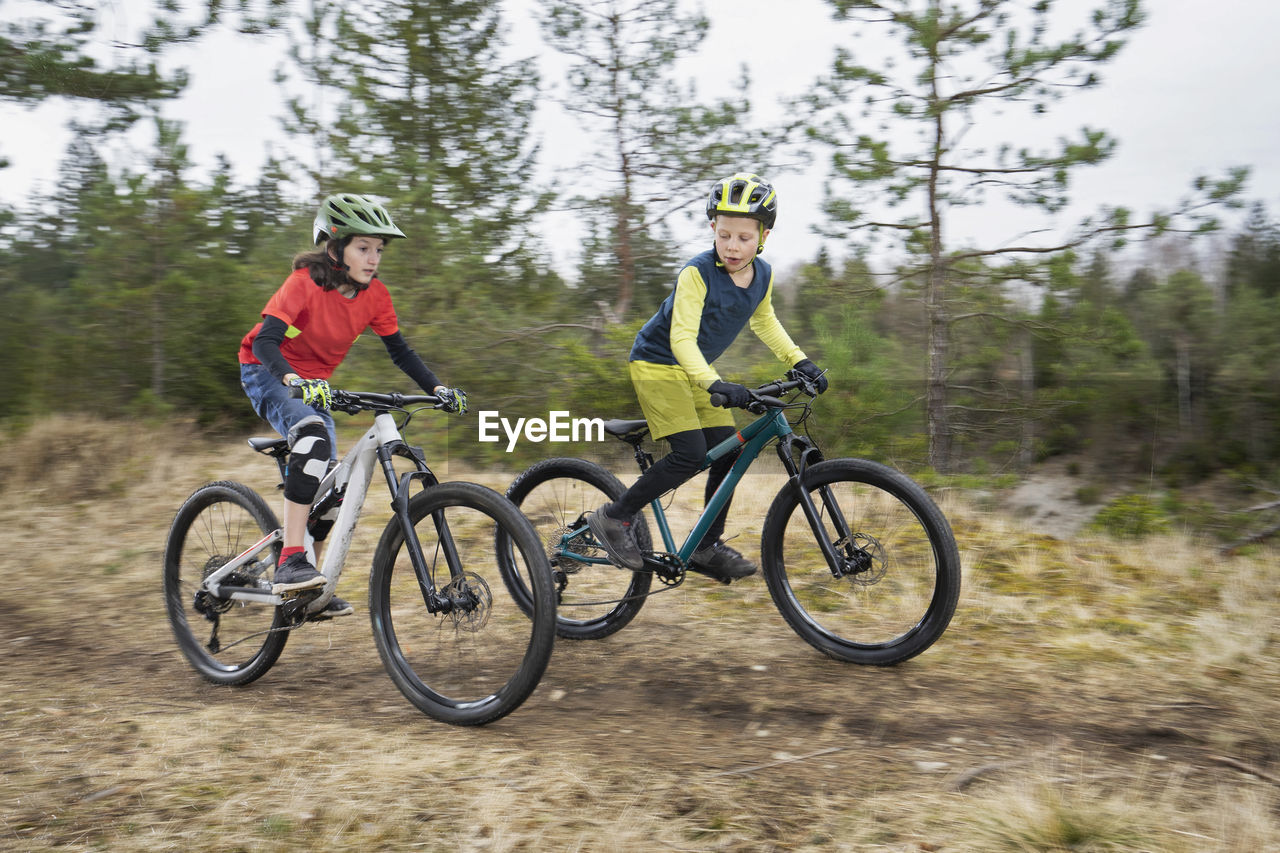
[(273, 404)]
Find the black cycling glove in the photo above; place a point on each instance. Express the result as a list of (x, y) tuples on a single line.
[(735, 396), (812, 372)]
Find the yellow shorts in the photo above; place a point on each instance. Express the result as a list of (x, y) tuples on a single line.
[(671, 403)]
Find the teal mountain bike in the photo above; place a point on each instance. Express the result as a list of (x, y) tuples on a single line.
[(857, 557)]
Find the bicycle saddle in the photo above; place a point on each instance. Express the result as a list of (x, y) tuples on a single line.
[(268, 443), (631, 431)]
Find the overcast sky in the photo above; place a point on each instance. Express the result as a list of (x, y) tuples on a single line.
[(1194, 92)]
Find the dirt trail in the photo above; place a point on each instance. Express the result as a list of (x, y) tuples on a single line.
[(704, 725)]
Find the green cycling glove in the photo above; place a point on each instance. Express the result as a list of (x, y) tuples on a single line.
[(315, 393), (453, 400)]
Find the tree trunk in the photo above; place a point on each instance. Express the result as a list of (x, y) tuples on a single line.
[(1027, 369), (1183, 349), (938, 327), (626, 261), (626, 254)]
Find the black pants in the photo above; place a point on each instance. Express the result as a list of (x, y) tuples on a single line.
[(688, 452)]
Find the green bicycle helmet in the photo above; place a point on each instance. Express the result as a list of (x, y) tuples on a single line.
[(348, 215), (744, 194)]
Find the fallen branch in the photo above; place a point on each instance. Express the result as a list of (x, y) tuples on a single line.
[(1250, 539), (779, 762), (1245, 768), (968, 777)]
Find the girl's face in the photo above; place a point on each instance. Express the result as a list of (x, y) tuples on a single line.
[(737, 239), (362, 256)]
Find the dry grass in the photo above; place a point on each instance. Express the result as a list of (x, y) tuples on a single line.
[(1090, 695)]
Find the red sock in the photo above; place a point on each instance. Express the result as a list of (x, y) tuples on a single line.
[(286, 553)]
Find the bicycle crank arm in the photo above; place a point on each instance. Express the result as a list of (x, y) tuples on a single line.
[(249, 593)]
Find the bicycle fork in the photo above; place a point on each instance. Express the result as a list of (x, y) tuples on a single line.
[(853, 560), (437, 600)]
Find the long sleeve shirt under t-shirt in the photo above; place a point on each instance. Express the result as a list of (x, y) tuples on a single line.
[(705, 313), (321, 325)]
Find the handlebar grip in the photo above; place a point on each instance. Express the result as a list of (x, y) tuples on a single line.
[(718, 400)]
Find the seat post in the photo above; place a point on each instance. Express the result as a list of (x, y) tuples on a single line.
[(643, 459)]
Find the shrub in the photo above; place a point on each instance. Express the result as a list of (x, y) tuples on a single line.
[(1131, 517)]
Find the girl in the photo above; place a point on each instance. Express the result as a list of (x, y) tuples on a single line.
[(307, 328)]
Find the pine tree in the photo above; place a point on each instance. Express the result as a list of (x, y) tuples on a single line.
[(1254, 258), (432, 119), (960, 62), (48, 52), (660, 146)]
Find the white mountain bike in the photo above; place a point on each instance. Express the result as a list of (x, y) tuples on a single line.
[(449, 634)]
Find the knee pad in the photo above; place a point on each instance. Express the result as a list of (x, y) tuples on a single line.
[(308, 460)]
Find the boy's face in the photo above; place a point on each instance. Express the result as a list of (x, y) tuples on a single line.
[(737, 240)]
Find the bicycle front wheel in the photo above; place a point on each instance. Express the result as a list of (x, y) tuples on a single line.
[(480, 656), (594, 597), (897, 576), (227, 641)]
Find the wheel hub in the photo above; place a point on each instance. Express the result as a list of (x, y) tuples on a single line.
[(862, 559), (560, 543), (470, 601)]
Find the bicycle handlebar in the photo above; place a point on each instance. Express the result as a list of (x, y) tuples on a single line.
[(369, 398), (352, 402), (765, 395)]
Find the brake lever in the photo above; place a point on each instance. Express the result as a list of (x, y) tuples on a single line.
[(807, 386), (761, 403)]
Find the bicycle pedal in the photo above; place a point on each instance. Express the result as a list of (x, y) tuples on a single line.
[(294, 606), (308, 593)]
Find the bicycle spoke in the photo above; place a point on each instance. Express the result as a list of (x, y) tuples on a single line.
[(896, 580), (469, 653), (596, 598), (217, 523)]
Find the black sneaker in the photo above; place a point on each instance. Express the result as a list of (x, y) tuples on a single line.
[(617, 538), (335, 608), (721, 562), (295, 574)]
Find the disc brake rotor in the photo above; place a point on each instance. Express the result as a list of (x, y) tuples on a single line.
[(865, 561), (472, 601)]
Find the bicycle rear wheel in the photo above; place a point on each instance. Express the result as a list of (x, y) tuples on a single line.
[(897, 557), (480, 660), (594, 600), (227, 641)]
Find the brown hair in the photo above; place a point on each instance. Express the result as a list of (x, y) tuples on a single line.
[(322, 268)]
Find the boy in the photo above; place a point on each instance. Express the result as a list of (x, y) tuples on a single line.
[(717, 293)]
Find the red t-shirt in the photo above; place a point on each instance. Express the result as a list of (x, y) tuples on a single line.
[(323, 324)]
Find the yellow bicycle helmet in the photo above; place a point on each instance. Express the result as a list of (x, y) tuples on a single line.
[(744, 194)]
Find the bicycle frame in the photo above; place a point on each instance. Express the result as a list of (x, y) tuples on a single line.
[(749, 441), (796, 453), (352, 476)]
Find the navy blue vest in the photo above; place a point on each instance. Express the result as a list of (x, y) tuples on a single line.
[(725, 312)]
